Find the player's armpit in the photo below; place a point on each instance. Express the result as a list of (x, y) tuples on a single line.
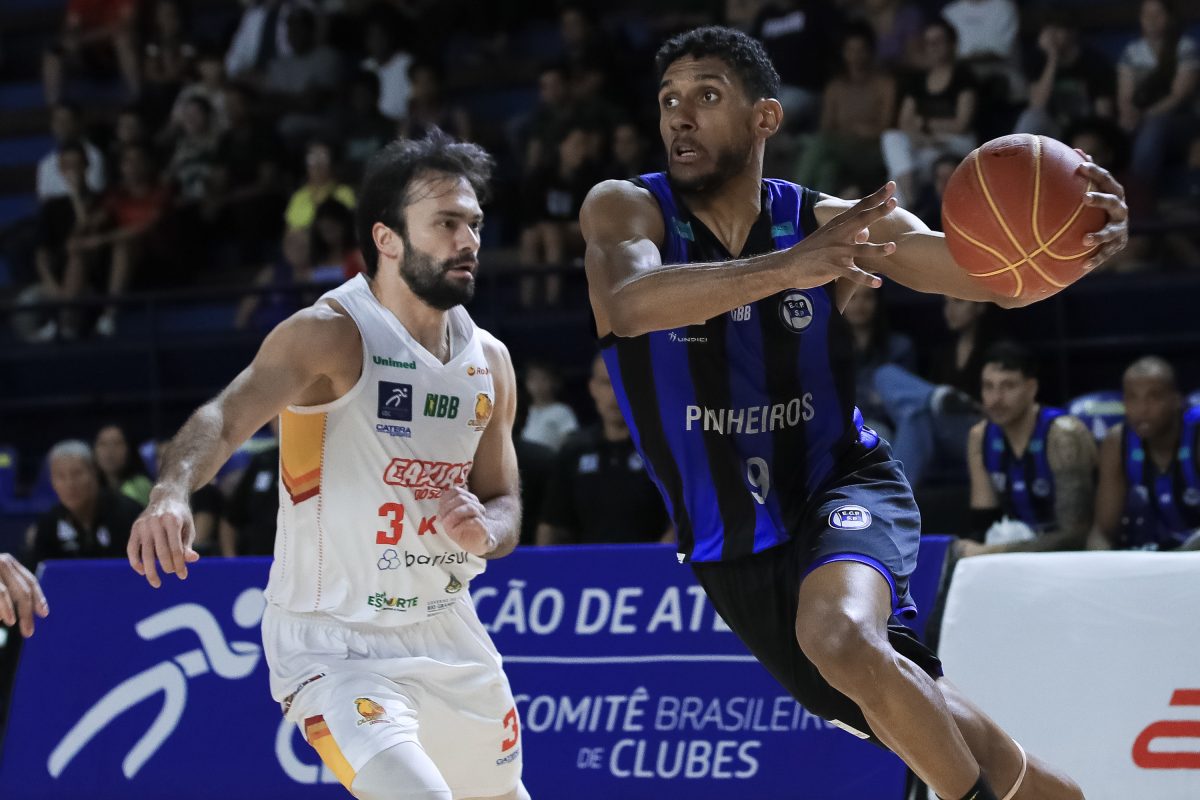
[(1071, 452)]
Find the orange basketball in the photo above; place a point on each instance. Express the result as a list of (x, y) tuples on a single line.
[(1014, 215)]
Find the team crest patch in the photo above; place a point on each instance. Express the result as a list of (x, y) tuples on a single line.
[(850, 518), (483, 411), (370, 711), (1191, 496), (796, 311), (1041, 487)]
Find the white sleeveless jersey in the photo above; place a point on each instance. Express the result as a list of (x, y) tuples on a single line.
[(358, 538)]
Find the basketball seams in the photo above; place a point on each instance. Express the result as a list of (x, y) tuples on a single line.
[(987, 195), (1008, 267), (1001, 258), (1043, 244)]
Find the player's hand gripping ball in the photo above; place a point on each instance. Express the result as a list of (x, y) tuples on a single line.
[(1018, 210)]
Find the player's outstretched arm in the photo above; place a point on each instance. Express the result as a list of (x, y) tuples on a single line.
[(485, 519), (922, 260), (633, 293), (298, 356), (1110, 493)]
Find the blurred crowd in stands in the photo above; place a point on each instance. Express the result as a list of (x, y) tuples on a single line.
[(233, 154)]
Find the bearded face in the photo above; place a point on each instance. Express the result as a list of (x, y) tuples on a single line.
[(442, 284)]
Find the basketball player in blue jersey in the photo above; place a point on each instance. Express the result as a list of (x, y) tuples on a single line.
[(718, 296), (1149, 496), (1033, 464)]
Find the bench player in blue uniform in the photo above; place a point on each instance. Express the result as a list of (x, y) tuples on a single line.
[(1149, 496), (718, 296), (1031, 463)]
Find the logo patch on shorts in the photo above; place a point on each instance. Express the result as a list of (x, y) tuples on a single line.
[(850, 518), (370, 711)]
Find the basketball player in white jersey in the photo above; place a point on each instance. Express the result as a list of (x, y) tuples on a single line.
[(398, 479)]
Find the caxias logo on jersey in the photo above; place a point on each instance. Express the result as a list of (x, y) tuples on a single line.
[(483, 411), (427, 479)]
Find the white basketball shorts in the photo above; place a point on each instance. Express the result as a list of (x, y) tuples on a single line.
[(356, 691)]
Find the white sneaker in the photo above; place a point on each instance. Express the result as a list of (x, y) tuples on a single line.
[(106, 326)]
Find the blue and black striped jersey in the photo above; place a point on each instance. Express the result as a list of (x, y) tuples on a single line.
[(1024, 484), (742, 418)]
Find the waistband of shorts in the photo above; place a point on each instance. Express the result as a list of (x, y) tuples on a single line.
[(322, 620)]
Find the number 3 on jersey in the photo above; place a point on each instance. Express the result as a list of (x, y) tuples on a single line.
[(394, 512), (758, 475)]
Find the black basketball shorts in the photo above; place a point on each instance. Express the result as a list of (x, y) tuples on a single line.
[(866, 514)]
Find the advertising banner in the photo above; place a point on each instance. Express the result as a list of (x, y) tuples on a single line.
[(627, 683), (1090, 660)]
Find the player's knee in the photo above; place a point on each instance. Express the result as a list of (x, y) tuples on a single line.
[(847, 651)]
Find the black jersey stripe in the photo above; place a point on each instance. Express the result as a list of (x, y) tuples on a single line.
[(709, 365), (789, 467), (637, 369)]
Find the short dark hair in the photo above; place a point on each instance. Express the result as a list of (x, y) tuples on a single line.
[(744, 55), (390, 173), (1011, 356)]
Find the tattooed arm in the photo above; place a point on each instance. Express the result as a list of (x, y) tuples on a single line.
[(1072, 455)]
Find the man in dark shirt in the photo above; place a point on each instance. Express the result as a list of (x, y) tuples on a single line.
[(247, 193), (248, 526), (801, 38), (88, 522), (1067, 82), (600, 491)]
